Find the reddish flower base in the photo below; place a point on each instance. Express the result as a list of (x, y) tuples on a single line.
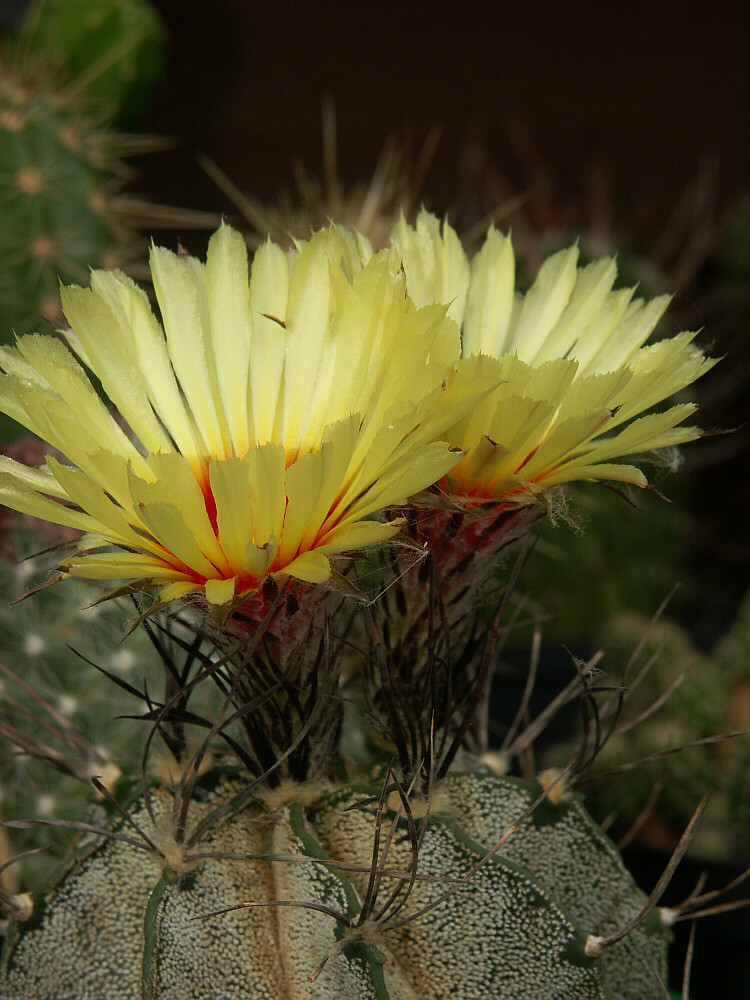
[(464, 548), (295, 625)]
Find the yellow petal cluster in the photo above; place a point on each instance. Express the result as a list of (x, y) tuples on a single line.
[(254, 430), (577, 385)]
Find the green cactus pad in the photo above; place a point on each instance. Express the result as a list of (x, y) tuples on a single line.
[(122, 925)]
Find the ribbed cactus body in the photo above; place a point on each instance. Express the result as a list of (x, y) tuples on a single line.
[(122, 925)]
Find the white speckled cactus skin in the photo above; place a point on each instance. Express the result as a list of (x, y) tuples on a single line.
[(121, 925)]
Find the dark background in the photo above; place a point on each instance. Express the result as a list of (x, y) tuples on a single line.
[(647, 88)]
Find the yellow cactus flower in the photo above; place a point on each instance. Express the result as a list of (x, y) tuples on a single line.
[(576, 382), (575, 391), (255, 433)]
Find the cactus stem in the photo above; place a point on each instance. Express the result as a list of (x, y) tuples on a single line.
[(148, 987)]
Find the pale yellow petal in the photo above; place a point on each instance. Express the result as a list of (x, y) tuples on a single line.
[(91, 498), (334, 460), (412, 474), (662, 369), (592, 338), (353, 537), (304, 483), (606, 471), (230, 487), (175, 591), (436, 266), (594, 392), (18, 496), (563, 439), (14, 363), (269, 294), (629, 336), (144, 334), (228, 293), (592, 284), (176, 484), (267, 492), (258, 558), (310, 347), (543, 304), (655, 430), (40, 480), (180, 292), (55, 362), (110, 355), (166, 524), (489, 305), (220, 591), (312, 567), (119, 566)]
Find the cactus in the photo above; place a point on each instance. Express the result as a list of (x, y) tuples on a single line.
[(518, 927), (238, 501)]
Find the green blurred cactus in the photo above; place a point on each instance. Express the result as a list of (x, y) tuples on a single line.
[(61, 164), (56, 165), (591, 568), (114, 49), (41, 642), (710, 695)]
